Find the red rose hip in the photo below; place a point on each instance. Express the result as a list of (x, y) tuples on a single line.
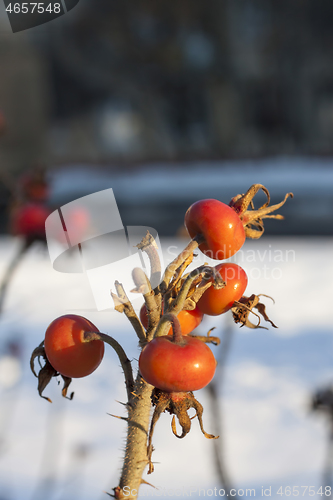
[(217, 301), (219, 225), (182, 366), (65, 347)]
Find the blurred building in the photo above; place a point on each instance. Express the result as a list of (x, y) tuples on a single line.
[(140, 80), (145, 79)]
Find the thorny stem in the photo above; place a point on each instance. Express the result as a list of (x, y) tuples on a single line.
[(138, 408), (124, 361), (136, 458)]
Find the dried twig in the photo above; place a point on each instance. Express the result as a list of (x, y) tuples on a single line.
[(174, 265), (123, 304)]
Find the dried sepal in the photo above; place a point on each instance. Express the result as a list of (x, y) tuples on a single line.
[(242, 309), (253, 219), (208, 339), (46, 373), (67, 381), (177, 404)]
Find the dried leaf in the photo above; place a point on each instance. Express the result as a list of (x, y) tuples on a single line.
[(242, 309), (44, 377), (46, 373)]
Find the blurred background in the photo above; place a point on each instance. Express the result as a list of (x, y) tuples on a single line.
[(167, 103), (130, 88)]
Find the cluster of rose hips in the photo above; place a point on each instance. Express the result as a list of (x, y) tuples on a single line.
[(172, 360)]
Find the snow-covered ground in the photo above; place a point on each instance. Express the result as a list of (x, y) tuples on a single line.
[(72, 450)]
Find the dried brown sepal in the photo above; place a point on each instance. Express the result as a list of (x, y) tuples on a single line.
[(46, 373), (176, 404), (242, 309), (253, 219), (208, 339), (67, 381)]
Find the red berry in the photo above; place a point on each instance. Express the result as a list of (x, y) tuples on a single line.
[(65, 347), (171, 366), (214, 302), (220, 226)]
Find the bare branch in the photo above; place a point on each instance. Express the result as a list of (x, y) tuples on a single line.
[(153, 307), (177, 262), (123, 304), (148, 245)]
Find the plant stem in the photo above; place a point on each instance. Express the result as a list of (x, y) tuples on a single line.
[(124, 361), (176, 328), (138, 407), (204, 271), (148, 245), (136, 458), (143, 285), (173, 266), (123, 304)]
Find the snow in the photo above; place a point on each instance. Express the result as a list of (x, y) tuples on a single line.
[(73, 449)]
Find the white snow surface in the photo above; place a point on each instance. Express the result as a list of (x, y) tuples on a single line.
[(73, 449)]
